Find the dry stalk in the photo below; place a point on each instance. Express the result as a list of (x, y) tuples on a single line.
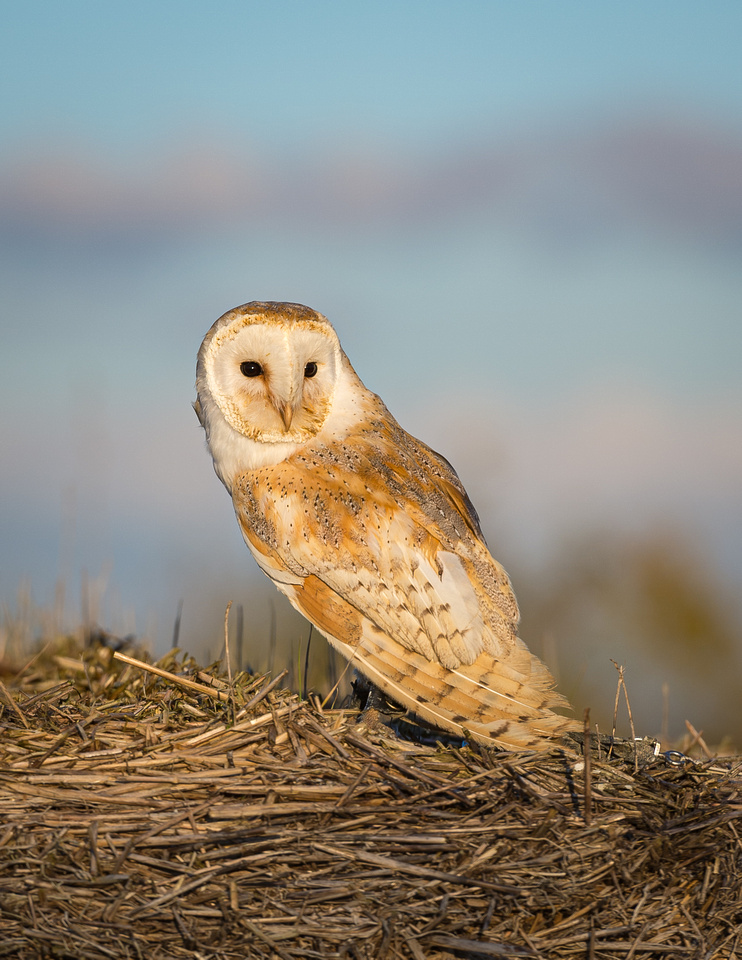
[(587, 756), (697, 738), (622, 686), (172, 677), (143, 825), (229, 662)]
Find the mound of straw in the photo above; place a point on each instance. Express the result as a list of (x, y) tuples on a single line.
[(183, 815)]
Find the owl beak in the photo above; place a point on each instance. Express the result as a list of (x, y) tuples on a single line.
[(286, 412)]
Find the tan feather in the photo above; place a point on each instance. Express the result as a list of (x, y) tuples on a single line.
[(500, 704)]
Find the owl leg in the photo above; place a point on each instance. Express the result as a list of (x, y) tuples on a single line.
[(375, 710), (368, 696)]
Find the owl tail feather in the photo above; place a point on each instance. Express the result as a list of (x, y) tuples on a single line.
[(482, 700), (502, 701)]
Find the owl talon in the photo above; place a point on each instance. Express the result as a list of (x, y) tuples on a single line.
[(367, 696)]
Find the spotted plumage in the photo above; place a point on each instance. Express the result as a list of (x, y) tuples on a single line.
[(367, 531)]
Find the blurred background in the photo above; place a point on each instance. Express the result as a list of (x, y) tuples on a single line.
[(525, 222)]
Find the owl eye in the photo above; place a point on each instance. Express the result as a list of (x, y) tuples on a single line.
[(250, 368), (310, 369)]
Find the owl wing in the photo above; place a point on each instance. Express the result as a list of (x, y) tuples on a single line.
[(377, 544)]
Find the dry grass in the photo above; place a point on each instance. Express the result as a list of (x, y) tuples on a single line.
[(145, 819)]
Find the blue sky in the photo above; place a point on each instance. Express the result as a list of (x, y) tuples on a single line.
[(524, 219), (123, 75)]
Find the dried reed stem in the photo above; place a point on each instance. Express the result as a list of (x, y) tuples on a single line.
[(172, 677), (229, 662), (135, 823), (588, 765), (622, 686)]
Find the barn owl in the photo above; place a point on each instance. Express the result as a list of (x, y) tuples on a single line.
[(368, 532)]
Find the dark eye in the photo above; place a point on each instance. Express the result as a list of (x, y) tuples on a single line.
[(310, 369), (250, 368)]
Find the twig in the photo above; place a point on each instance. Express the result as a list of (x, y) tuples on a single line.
[(588, 766), (174, 678), (622, 686), (698, 739), (12, 704), (226, 642), (615, 708), (240, 635), (306, 664), (400, 866), (309, 719), (229, 661), (263, 692), (269, 941), (337, 683), (240, 726), (32, 661)]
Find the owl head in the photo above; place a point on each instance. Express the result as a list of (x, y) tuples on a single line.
[(267, 373)]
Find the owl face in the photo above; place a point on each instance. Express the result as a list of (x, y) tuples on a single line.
[(266, 378), (273, 381)]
